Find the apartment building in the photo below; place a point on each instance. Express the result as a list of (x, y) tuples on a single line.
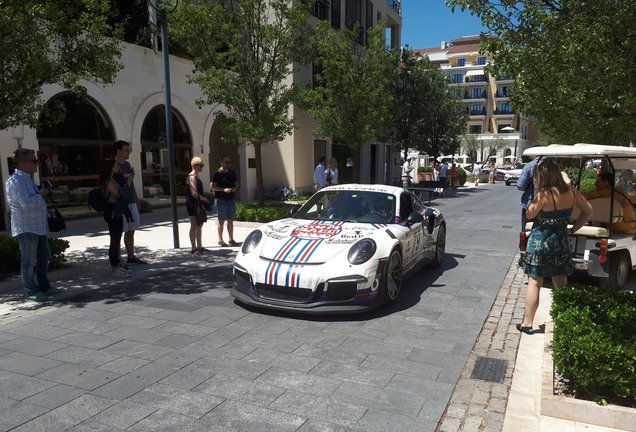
[(492, 120), (133, 110)]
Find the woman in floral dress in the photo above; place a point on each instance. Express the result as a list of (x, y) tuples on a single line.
[(548, 249)]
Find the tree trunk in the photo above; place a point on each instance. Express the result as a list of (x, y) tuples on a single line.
[(260, 195)]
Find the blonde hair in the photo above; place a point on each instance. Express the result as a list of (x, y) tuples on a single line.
[(333, 162), (195, 161), (547, 174)]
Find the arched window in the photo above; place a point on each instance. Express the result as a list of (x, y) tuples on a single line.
[(154, 157)]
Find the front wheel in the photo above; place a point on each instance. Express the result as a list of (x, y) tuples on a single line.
[(619, 267), (507, 183), (392, 278)]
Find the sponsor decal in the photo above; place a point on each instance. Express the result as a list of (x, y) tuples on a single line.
[(319, 230)]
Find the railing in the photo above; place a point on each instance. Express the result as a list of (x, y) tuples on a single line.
[(395, 5), (504, 112)]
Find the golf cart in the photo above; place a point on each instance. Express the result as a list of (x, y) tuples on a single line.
[(596, 248)]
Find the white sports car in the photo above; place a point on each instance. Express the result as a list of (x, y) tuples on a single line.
[(346, 249)]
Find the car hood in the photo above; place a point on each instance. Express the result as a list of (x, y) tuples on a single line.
[(310, 242)]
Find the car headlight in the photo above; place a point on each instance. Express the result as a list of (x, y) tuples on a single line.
[(362, 251), (252, 240)]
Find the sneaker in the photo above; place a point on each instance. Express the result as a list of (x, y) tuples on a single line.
[(38, 297), (222, 243), (120, 273), (123, 268), (53, 291), (233, 243), (135, 260)]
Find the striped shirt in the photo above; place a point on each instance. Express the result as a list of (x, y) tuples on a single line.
[(28, 208)]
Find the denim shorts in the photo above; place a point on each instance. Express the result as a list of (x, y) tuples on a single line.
[(226, 210)]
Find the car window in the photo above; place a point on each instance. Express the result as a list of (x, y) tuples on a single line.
[(406, 206), (417, 204), (349, 206)]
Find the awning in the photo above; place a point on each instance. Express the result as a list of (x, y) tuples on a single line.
[(474, 72)]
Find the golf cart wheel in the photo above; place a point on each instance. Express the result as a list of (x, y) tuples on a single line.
[(619, 267)]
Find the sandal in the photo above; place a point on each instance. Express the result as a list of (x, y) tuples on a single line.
[(202, 250), (193, 251), (526, 330), (222, 243)]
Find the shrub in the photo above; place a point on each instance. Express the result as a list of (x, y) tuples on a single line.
[(10, 253), (595, 341), (573, 173), (588, 185), (425, 169), (280, 193), (462, 176), (254, 213)]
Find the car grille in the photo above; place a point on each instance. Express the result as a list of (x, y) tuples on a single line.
[(277, 292), (342, 290)]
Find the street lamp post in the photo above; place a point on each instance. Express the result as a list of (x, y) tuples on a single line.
[(160, 6)]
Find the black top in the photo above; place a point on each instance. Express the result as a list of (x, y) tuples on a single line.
[(225, 179)]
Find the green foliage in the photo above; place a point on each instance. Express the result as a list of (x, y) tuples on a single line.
[(425, 169), (351, 96), (10, 253), (257, 213), (588, 185), (243, 53), (586, 174), (462, 176), (595, 341), (539, 42), (52, 42)]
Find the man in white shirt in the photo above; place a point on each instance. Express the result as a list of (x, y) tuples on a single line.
[(443, 173), (407, 168), (320, 177), (476, 173)]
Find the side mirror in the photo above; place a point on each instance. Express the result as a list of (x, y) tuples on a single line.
[(293, 211), (430, 216), (414, 218)]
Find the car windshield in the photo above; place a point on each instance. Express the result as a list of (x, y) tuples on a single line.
[(349, 206)]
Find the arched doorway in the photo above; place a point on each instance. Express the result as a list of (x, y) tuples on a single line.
[(154, 156), (71, 150), (222, 145)]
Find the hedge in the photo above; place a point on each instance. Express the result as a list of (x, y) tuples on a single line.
[(595, 342), (10, 254)]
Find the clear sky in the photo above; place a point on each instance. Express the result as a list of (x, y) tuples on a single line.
[(426, 23)]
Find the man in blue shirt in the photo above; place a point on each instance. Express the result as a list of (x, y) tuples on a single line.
[(526, 185), (29, 225)]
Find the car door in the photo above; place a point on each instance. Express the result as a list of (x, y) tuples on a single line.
[(414, 234)]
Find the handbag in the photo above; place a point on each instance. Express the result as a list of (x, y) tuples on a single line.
[(56, 221), (202, 216), (207, 206)]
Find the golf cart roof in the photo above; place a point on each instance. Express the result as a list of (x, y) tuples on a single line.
[(590, 151)]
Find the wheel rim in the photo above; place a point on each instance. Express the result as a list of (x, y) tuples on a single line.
[(440, 247), (621, 272), (394, 275)]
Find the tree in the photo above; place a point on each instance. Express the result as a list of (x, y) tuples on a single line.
[(244, 52), (51, 42), (573, 61), (352, 95), (471, 146)]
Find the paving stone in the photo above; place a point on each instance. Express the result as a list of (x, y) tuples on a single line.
[(78, 376), (39, 331), (83, 356), (217, 321), (375, 420), (90, 326), (176, 341), (138, 350), (337, 354), (142, 322), (88, 340), (299, 381), (374, 346), (55, 396), (179, 328), (124, 414), (232, 368), (242, 390), (29, 345), (17, 386), (359, 374), (188, 377), (282, 360), (25, 364), (133, 382), (322, 426), (382, 399), (84, 407), (181, 316), (177, 400), (319, 408), (399, 366), (137, 334), (166, 421), (15, 413), (124, 364), (132, 309), (430, 389), (235, 415), (91, 314), (90, 426), (437, 358), (432, 410)]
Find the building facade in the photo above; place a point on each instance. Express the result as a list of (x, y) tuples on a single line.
[(492, 120), (132, 109)]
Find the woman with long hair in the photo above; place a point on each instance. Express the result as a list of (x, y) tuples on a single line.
[(194, 199), (332, 172), (548, 248)]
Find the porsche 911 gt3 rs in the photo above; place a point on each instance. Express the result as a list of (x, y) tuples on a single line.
[(346, 249)]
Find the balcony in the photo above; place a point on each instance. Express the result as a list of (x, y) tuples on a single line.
[(477, 112), (504, 113), (474, 96), (396, 5)]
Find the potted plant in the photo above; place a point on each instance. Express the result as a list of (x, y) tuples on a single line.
[(424, 174)]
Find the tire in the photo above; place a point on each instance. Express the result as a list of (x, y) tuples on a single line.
[(619, 267), (392, 281), (508, 183), (440, 246)]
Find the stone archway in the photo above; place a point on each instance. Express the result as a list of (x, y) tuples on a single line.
[(154, 156), (222, 145)]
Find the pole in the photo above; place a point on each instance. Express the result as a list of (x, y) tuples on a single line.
[(169, 134)]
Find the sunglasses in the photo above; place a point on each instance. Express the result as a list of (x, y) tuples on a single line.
[(227, 161), (201, 165)]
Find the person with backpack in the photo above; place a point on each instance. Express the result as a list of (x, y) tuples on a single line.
[(110, 182)]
